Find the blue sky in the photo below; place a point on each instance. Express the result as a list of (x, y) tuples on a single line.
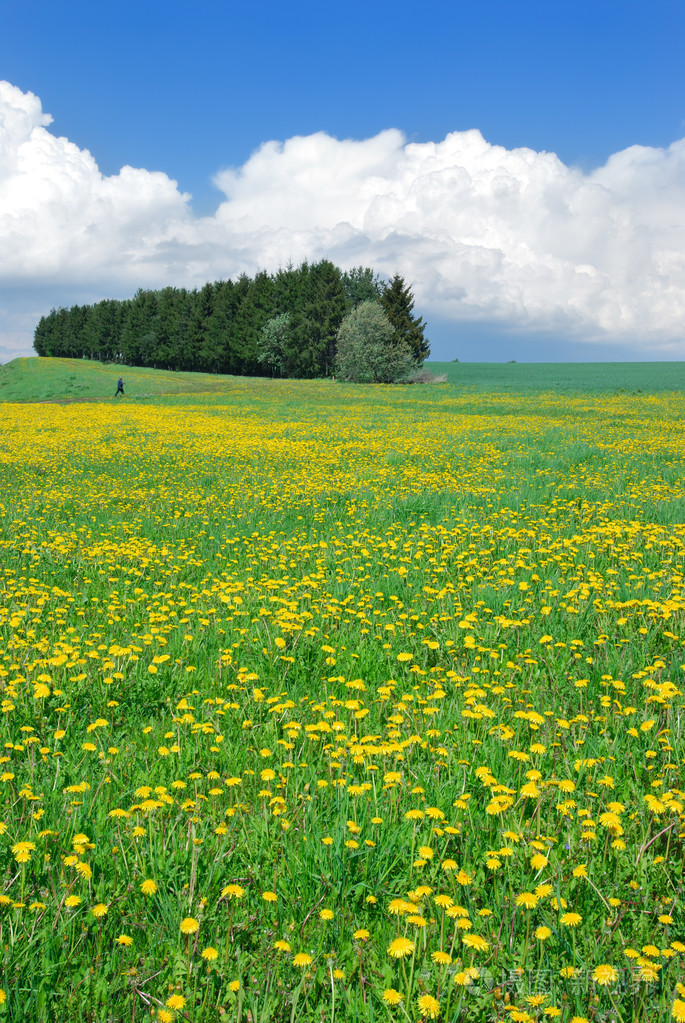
[(190, 92)]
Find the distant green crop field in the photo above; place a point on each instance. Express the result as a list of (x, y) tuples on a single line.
[(577, 377)]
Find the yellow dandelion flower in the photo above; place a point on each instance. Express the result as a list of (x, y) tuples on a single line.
[(189, 925), (604, 975), (441, 958), (22, 851), (232, 891), (397, 907), (148, 887), (302, 959), (429, 1007), (400, 947), (465, 977), (527, 900), (391, 996)]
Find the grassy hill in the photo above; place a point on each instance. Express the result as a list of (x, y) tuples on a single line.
[(38, 379)]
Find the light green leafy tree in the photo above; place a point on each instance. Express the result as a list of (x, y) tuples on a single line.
[(366, 348), (273, 341)]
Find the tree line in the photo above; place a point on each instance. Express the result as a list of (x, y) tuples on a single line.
[(284, 324)]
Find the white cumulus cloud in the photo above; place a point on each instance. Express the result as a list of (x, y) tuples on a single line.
[(510, 237)]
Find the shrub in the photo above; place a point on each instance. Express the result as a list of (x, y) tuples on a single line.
[(424, 376), (366, 352)]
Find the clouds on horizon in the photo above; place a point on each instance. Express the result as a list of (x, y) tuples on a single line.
[(511, 237)]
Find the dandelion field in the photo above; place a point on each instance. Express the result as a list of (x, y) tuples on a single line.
[(343, 703)]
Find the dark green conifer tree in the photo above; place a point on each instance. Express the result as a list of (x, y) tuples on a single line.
[(42, 335), (102, 332), (315, 321), (206, 356), (217, 344), (397, 302), (361, 284), (246, 328), (138, 337)]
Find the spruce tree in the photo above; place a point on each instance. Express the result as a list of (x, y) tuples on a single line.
[(397, 302), (43, 334), (138, 338), (361, 284), (254, 310), (215, 350), (203, 354), (317, 313)]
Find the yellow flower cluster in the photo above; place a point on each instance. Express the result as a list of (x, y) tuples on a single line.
[(305, 683)]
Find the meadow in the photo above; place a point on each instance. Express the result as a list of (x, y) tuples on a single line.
[(323, 702)]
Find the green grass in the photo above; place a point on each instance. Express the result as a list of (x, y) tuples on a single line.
[(40, 379), (572, 377), (342, 646)]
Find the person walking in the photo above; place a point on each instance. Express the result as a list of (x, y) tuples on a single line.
[(120, 387)]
